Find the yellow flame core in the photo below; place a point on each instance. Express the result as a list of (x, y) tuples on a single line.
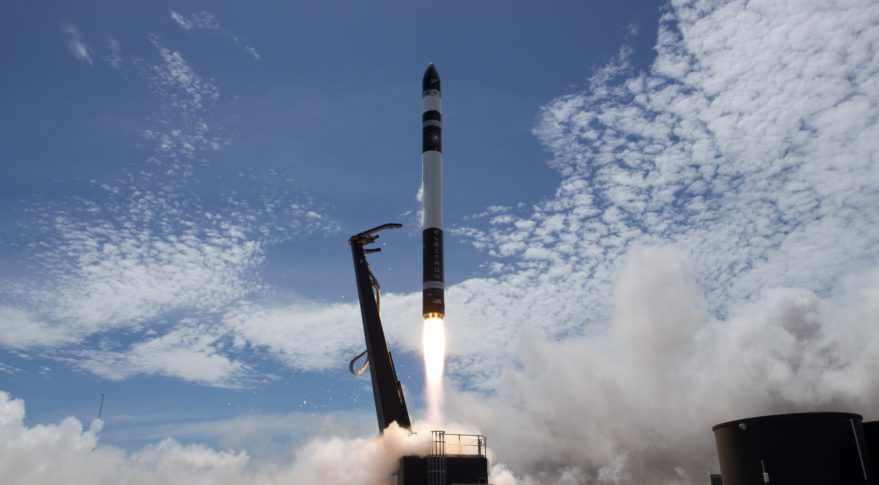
[(434, 346)]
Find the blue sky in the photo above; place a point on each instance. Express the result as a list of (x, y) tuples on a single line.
[(640, 197)]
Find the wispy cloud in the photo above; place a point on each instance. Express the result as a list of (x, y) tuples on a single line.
[(18, 329), (312, 336), (180, 20), (191, 352), (147, 254), (203, 20), (176, 75), (114, 52), (9, 369), (75, 43), (253, 52)]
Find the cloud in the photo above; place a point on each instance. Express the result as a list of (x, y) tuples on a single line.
[(19, 330), (123, 273), (9, 369), (747, 144), (310, 336), (180, 20), (114, 52), (712, 150), (65, 452), (153, 251), (253, 52), (191, 353), (203, 20), (75, 43), (206, 21), (176, 79), (266, 437)]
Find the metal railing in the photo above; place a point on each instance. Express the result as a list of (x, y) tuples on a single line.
[(460, 444)]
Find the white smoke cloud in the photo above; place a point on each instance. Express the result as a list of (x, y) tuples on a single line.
[(65, 453), (634, 401)]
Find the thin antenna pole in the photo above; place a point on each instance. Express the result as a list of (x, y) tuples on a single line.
[(101, 409)]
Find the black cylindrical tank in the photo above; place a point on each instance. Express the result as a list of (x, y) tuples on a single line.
[(794, 449), (871, 432)]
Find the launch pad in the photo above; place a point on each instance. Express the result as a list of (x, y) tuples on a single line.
[(454, 459)]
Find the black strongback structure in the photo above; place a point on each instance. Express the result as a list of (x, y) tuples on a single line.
[(390, 405)]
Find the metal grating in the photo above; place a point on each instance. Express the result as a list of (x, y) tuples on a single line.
[(436, 461)]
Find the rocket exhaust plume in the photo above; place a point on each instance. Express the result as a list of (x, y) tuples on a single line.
[(433, 299), (434, 346)]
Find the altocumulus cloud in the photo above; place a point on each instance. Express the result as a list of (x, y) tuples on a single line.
[(146, 259), (749, 145)]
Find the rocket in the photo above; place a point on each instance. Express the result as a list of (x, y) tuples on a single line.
[(433, 305)]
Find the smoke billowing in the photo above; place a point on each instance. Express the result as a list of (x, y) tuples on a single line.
[(66, 453), (633, 401)]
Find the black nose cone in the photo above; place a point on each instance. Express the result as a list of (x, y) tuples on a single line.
[(431, 81)]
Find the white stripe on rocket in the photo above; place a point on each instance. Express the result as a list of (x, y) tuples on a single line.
[(431, 102), (432, 196)]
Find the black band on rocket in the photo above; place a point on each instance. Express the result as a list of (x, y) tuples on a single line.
[(432, 115), (431, 138), (432, 256)]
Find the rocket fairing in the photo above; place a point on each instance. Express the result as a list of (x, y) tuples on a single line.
[(432, 195)]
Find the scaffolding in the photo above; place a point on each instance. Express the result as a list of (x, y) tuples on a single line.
[(436, 461), (451, 445)]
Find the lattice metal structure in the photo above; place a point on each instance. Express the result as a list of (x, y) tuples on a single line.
[(436, 461)]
